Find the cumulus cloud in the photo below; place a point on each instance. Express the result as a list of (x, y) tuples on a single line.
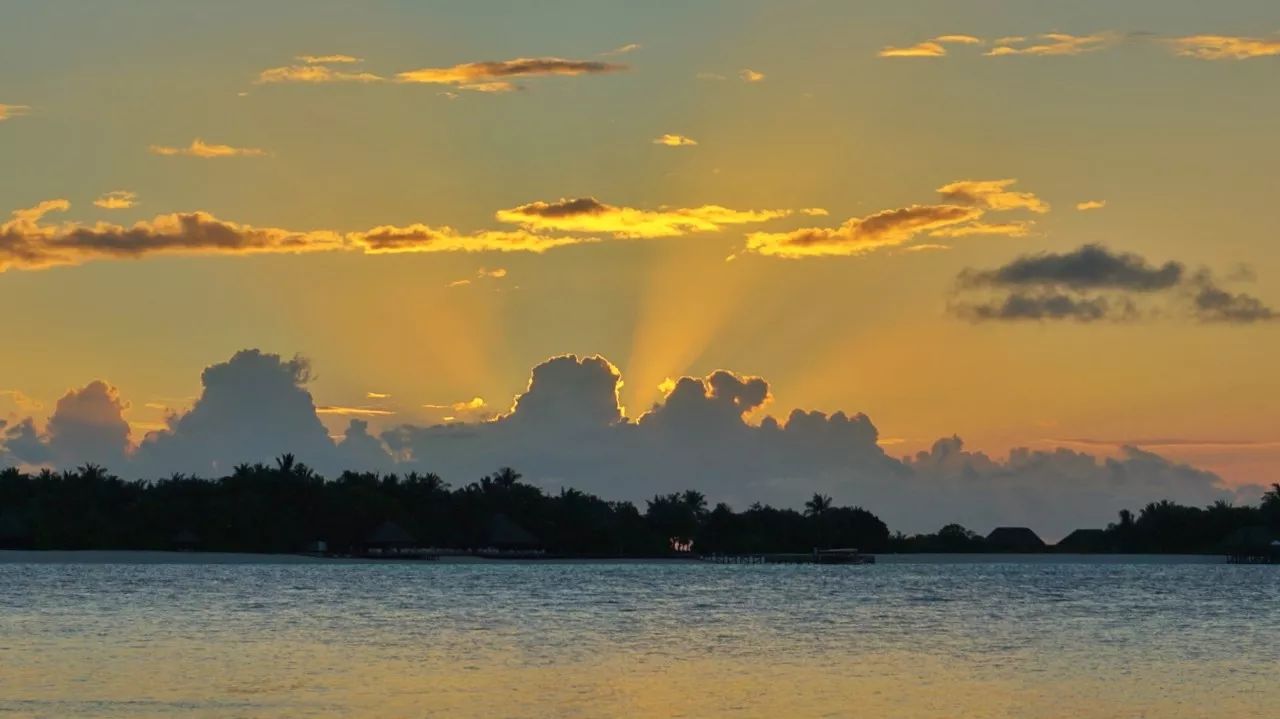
[(1225, 47), (21, 444), (26, 242), (933, 47), (1087, 205), (749, 75), (251, 408), (87, 426), (967, 202), (1052, 43), (117, 200), (671, 140), (587, 214), (11, 111), (494, 76), (567, 428), (207, 151), (1094, 283)]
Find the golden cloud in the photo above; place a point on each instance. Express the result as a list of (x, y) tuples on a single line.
[(389, 239), (1091, 205), (992, 194), (749, 75), (860, 235), (313, 73), (1018, 228), (353, 411), (588, 214), (8, 111), (921, 49), (1225, 47), (967, 202), (328, 59), (117, 200), (28, 243), (933, 47), (1052, 43), (492, 76), (671, 140), (202, 149), (959, 39)]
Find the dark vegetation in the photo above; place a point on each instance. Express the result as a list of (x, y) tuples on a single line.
[(287, 507)]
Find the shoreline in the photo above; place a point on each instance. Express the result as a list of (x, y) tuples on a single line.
[(127, 556)]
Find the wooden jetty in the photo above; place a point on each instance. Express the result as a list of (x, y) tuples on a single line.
[(817, 556)]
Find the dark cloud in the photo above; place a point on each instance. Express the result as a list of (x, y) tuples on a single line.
[(492, 76), (563, 208), (1050, 306), (1094, 283), (1214, 304), (1087, 268), (699, 436)]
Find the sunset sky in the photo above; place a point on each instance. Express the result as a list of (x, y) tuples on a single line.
[(1029, 224)]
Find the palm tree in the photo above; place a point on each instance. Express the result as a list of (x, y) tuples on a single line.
[(695, 501), (817, 506), (506, 477)]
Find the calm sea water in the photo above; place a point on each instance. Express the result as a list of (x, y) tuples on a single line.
[(953, 639)]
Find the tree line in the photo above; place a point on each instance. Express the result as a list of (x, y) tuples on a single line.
[(286, 507)]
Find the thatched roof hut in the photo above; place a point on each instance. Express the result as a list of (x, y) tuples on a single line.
[(389, 535), (15, 532), (1084, 541), (503, 533), (1014, 539), (185, 540)]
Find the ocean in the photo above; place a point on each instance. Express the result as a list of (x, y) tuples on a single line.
[(135, 635)]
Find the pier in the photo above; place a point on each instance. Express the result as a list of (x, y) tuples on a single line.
[(817, 556)]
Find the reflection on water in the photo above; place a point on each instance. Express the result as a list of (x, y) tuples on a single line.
[(639, 640)]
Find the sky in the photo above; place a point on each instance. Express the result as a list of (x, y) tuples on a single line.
[(1040, 227)]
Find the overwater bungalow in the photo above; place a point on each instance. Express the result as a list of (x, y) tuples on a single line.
[(1252, 545), (185, 540), (1015, 539), (391, 541), (504, 537), (1084, 541)]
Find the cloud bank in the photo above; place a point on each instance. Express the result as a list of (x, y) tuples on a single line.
[(28, 241), (568, 429)]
